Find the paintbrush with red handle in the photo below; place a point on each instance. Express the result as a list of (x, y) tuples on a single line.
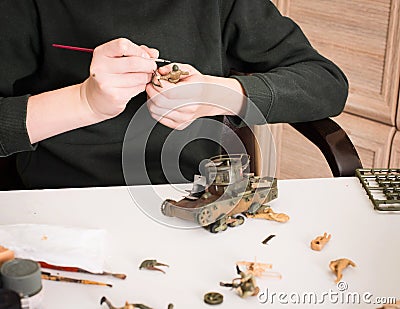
[(90, 50), (79, 270)]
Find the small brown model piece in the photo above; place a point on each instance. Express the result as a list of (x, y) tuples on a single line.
[(319, 242), (127, 305), (245, 285), (174, 75), (266, 240), (391, 306), (337, 267), (213, 298), (150, 265), (268, 214)]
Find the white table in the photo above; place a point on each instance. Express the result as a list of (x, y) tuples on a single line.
[(199, 260)]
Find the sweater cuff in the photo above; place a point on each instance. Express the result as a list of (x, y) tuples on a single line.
[(259, 101), (13, 133)]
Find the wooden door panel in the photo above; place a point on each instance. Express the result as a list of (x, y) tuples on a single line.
[(362, 37)]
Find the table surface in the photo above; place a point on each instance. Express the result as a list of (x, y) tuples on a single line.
[(199, 260)]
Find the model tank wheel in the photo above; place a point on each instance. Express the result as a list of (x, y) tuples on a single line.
[(218, 226), (204, 217), (238, 220), (254, 207)]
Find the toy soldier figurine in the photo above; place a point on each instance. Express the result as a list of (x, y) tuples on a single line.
[(174, 75), (245, 285)]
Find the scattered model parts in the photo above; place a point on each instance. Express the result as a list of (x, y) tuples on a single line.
[(337, 267), (266, 212), (224, 196), (151, 265), (320, 241), (213, 298), (127, 305)]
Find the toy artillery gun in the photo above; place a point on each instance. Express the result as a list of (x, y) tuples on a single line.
[(224, 195)]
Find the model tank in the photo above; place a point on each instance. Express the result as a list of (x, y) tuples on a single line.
[(224, 195)]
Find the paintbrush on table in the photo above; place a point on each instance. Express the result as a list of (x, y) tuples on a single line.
[(79, 270), (48, 276)]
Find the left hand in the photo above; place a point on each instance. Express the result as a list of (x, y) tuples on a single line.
[(178, 105)]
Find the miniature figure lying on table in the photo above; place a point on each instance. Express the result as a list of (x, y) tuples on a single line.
[(224, 196)]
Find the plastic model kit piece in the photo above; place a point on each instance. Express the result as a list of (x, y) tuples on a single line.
[(382, 187), (127, 305), (151, 265), (245, 285), (319, 242), (173, 76), (213, 298), (219, 199), (257, 269), (267, 213), (337, 267)]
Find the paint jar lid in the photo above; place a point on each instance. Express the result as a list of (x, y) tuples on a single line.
[(22, 276)]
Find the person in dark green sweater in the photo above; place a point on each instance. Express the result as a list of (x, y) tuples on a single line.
[(65, 113)]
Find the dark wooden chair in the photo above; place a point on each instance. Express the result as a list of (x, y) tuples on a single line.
[(330, 139), (326, 134)]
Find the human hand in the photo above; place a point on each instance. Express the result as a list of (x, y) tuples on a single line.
[(119, 70), (194, 96)]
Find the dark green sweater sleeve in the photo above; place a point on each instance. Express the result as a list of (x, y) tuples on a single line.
[(289, 80), (19, 44)]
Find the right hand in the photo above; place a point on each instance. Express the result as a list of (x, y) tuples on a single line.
[(120, 70)]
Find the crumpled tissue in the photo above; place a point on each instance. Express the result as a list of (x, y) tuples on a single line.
[(57, 245)]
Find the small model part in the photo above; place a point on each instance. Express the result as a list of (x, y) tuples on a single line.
[(127, 305), (5, 255), (170, 306), (174, 75), (257, 269), (213, 298), (245, 285), (319, 242), (391, 306), (266, 240), (150, 265), (268, 214), (337, 267), (44, 237)]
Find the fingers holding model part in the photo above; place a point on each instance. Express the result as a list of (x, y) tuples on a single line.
[(179, 94), (119, 70)]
